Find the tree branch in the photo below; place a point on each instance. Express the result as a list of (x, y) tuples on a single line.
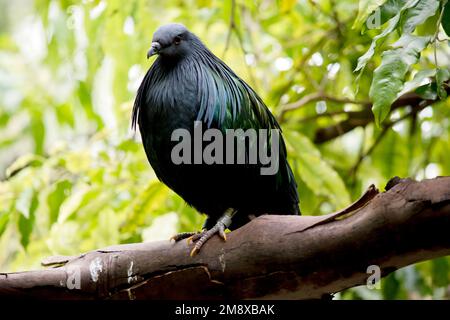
[(354, 118), (312, 97), (270, 257), (364, 117)]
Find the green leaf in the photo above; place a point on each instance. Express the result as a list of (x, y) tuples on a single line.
[(390, 287), (393, 23), (442, 75), (389, 77), (23, 202), (419, 79), (440, 270), (26, 204), (428, 27), (365, 8), (71, 204), (287, 5), (59, 193), (418, 14), (65, 114), (446, 19), (390, 8), (27, 160), (4, 219), (315, 172), (38, 133), (145, 203), (129, 146), (427, 91), (84, 198), (382, 14)]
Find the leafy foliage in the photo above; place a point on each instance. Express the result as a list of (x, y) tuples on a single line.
[(389, 78), (75, 177)]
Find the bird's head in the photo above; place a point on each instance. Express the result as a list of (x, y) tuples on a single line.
[(171, 40)]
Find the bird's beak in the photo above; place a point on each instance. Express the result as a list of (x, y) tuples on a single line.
[(154, 49)]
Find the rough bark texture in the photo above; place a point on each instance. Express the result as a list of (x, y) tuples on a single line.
[(272, 257)]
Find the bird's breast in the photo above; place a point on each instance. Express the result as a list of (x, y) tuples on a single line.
[(171, 103)]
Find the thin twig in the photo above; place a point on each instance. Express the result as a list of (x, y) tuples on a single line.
[(385, 129), (442, 40), (245, 52), (360, 156), (232, 26), (436, 33), (335, 17), (321, 115), (316, 96)]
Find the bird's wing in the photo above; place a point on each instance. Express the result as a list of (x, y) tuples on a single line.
[(228, 102)]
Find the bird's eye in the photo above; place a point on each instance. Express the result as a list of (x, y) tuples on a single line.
[(177, 40)]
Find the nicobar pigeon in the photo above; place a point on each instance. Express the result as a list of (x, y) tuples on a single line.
[(188, 83)]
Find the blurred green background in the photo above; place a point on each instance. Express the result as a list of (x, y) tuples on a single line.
[(74, 177)]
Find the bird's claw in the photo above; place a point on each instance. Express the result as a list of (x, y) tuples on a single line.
[(183, 235), (204, 236), (222, 234), (201, 237), (195, 236)]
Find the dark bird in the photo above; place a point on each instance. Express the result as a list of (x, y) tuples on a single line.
[(188, 83)]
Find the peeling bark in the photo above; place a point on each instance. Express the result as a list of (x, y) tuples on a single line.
[(272, 257)]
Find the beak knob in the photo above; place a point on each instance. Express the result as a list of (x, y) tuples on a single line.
[(154, 49)]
